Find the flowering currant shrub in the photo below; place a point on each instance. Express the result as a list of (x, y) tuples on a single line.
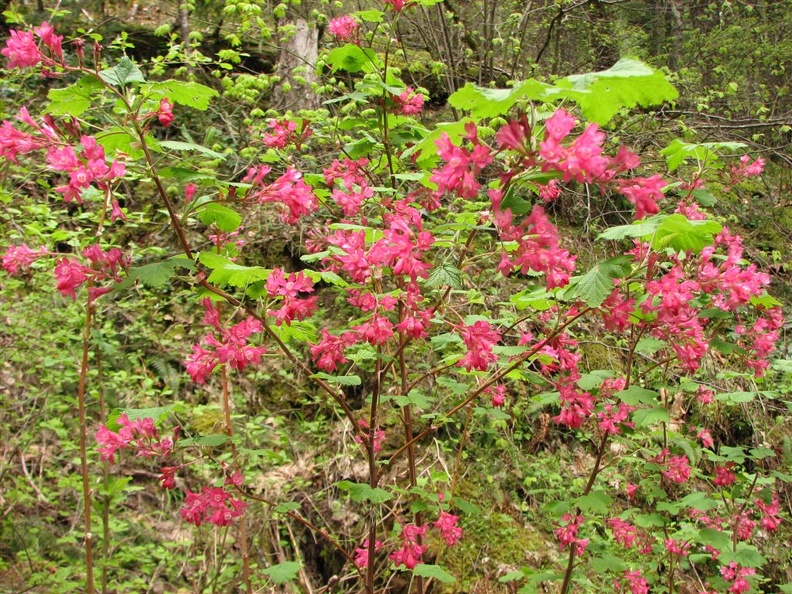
[(403, 233)]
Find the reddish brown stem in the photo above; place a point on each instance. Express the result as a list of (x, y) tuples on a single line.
[(86, 483)]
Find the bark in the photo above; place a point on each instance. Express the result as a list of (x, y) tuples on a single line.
[(297, 68)]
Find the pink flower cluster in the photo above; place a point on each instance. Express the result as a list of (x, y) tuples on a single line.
[(567, 534), (354, 189), (345, 29), (165, 112), (214, 505), (409, 102), (736, 574), (378, 436), (287, 288), (628, 535), (538, 245), (462, 166), (410, 552), (635, 581), (289, 189), (362, 553), (18, 257), (675, 468), (22, 49), (284, 132), (140, 435), (104, 266), (479, 339), (231, 347)]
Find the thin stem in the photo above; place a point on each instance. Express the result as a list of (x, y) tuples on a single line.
[(88, 539), (229, 428)]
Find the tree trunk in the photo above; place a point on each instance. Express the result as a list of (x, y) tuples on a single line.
[(297, 68)]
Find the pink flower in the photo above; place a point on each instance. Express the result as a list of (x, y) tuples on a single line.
[(479, 340), (769, 511), (676, 547), (362, 553), (21, 256), (737, 574), (677, 469), (328, 353), (397, 5), (214, 505), (446, 524), (140, 434), (724, 476), (462, 165), (409, 102), (410, 552), (165, 112), (644, 193), (46, 33), (345, 29), (635, 581), (283, 132), (706, 438), (22, 50), (70, 275)]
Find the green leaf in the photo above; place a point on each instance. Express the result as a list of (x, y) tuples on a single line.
[(191, 94), (715, 538), (225, 218), (116, 139), (207, 441), (352, 58), (340, 380), (75, 99), (282, 572), (434, 571), (746, 555), (597, 502), (445, 275), (704, 152), (155, 413), (126, 71), (637, 229), (483, 102), (635, 395), (177, 145), (644, 417), (155, 274), (226, 272), (427, 149), (363, 492), (592, 380), (285, 508), (516, 204), (370, 16), (608, 563), (698, 500), (681, 234), (595, 286), (627, 83), (650, 521)]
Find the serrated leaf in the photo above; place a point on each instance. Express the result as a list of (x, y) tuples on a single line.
[(717, 539), (205, 441), (226, 272), (283, 572), (340, 380), (649, 345), (352, 58), (704, 152), (126, 71), (178, 145), (628, 83), (426, 149), (223, 217), (363, 492), (644, 417), (435, 572), (698, 500), (370, 16), (682, 235), (484, 102), (635, 395), (638, 229), (155, 274), (597, 502), (746, 555), (75, 99), (593, 379), (595, 286), (191, 94), (285, 508), (445, 275), (516, 204), (608, 563)]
